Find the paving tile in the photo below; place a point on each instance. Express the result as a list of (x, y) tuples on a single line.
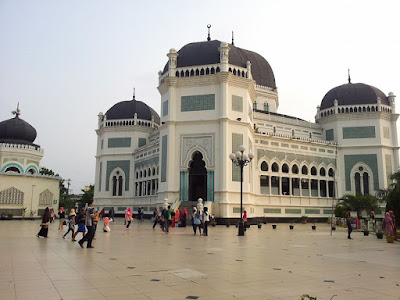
[(147, 264)]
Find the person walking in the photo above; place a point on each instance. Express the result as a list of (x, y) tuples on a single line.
[(95, 221), (51, 215), (391, 213), (165, 220), (45, 224), (155, 217), (112, 212), (90, 213), (129, 217), (205, 218), (61, 215), (81, 224), (388, 224), (348, 222), (71, 224), (196, 221), (106, 227)]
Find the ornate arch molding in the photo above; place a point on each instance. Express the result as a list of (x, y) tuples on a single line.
[(202, 143), (18, 166)]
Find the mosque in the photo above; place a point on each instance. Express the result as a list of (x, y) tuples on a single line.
[(216, 97), (24, 192)]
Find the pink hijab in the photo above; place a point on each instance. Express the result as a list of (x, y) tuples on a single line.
[(129, 212), (106, 221), (245, 216)]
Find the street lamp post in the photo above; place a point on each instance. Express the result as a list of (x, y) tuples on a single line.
[(240, 159)]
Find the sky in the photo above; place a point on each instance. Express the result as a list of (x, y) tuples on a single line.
[(66, 61)]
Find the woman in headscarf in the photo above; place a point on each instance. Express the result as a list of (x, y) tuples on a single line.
[(245, 216), (129, 217), (388, 224), (177, 214), (106, 227), (61, 215), (45, 224), (391, 213)]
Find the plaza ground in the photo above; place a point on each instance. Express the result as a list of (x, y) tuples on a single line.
[(142, 263)]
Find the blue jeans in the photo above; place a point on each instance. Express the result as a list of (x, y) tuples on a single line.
[(349, 229)]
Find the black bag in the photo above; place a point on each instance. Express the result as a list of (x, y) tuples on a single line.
[(65, 222)]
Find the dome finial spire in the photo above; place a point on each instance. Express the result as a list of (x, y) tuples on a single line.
[(209, 38), (233, 40), (16, 112), (348, 72), (134, 92)]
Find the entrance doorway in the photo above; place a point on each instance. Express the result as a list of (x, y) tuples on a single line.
[(197, 178)]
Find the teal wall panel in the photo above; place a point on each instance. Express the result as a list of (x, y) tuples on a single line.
[(272, 210), (368, 159), (311, 211), (122, 164), (197, 102), (296, 211), (142, 142), (237, 140), (237, 103), (361, 132), (147, 163), (164, 158), (100, 173), (329, 135), (119, 142), (165, 108)]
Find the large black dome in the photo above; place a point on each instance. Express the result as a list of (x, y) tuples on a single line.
[(205, 53), (17, 131), (127, 110), (353, 94)]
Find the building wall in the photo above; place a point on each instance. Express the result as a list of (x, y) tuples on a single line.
[(38, 192)]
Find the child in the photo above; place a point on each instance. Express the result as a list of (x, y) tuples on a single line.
[(106, 227), (71, 224)]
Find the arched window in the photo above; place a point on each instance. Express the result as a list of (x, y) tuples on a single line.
[(304, 170), (149, 172), (177, 73), (366, 183), (266, 106), (192, 72), (187, 73), (275, 167), (114, 185), (182, 74), (197, 72), (254, 105), (154, 171), (322, 172), (314, 171), (212, 70), (207, 71), (13, 169), (120, 181), (285, 168), (264, 166), (295, 169), (202, 72), (357, 182), (331, 173), (144, 173)]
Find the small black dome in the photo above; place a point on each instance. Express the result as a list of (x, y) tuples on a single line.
[(127, 110), (17, 131), (353, 94), (206, 53)]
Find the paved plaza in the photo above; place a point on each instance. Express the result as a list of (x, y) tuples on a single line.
[(142, 263)]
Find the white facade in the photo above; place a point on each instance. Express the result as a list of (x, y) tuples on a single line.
[(23, 191), (207, 112)]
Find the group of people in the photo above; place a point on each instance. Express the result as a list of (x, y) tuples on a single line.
[(86, 220), (389, 224)]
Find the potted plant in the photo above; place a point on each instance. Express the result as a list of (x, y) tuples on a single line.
[(303, 219), (259, 223), (390, 238), (213, 222), (366, 231), (274, 226), (379, 234), (23, 212), (227, 224), (291, 226), (313, 226), (33, 212)]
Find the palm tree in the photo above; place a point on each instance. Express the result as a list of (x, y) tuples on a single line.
[(359, 203)]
